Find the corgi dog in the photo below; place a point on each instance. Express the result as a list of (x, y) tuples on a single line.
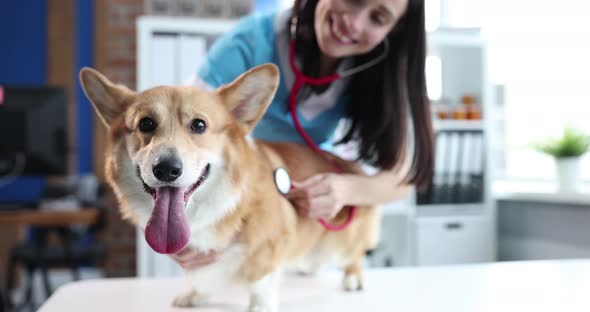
[(184, 169)]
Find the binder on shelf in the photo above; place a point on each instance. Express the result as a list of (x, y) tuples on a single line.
[(458, 168), (439, 167), (476, 186), (467, 154), (452, 167)]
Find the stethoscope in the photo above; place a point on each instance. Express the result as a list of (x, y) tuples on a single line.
[(281, 177)]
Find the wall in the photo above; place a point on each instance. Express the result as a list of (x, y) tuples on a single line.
[(530, 231), (22, 62), (20, 59)]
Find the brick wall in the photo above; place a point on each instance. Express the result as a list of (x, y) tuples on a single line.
[(115, 42), (118, 238), (115, 57)]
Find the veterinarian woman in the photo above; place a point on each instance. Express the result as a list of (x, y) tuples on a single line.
[(373, 53)]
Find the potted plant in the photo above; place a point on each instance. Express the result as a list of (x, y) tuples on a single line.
[(567, 150)]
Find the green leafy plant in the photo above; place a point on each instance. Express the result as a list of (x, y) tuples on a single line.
[(571, 144)]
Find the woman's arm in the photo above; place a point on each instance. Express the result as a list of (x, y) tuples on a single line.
[(384, 187), (323, 195)]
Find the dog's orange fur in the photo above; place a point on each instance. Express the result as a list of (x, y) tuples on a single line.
[(263, 220)]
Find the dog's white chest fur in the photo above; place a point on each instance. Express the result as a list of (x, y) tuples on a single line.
[(221, 274), (204, 210), (216, 199)]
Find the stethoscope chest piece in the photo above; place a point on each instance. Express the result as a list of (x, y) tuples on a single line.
[(282, 180)]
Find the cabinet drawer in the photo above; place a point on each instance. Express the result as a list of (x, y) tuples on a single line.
[(453, 240)]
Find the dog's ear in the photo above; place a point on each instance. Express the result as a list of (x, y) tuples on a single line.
[(108, 99), (249, 95)]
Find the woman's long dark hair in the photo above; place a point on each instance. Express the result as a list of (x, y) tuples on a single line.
[(381, 95)]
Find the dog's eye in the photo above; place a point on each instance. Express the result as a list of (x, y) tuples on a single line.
[(147, 124), (198, 126)]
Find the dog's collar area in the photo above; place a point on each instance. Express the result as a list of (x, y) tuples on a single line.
[(202, 177)]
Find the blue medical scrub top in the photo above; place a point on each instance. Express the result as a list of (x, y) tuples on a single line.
[(253, 42)]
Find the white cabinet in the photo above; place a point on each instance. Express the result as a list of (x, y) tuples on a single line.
[(170, 49), (452, 240)]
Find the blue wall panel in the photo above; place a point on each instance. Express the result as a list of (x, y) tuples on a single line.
[(23, 45), (23, 42), (84, 57), (23, 55)]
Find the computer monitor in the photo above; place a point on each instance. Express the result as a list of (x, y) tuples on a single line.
[(33, 131)]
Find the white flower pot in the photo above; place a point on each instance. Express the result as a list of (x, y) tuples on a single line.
[(568, 173)]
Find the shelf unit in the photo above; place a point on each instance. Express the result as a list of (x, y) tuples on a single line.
[(462, 125), (449, 233), (462, 231)]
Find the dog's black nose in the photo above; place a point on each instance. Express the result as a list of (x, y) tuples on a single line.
[(167, 169)]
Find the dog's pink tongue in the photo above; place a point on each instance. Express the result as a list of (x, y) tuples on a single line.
[(167, 230)]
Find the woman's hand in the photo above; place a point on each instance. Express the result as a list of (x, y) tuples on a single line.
[(321, 196), (191, 259)]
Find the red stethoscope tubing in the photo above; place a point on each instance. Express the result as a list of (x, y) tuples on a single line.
[(300, 80)]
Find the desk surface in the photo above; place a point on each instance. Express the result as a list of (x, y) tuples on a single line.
[(49, 218), (500, 287)]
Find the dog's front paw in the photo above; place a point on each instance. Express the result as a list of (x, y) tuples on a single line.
[(260, 308), (352, 282), (258, 304), (187, 299)]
